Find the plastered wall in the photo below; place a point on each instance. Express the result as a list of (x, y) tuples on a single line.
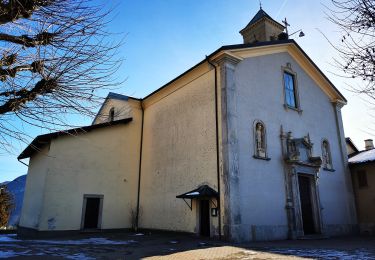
[(260, 199), (100, 162), (179, 152), (34, 190)]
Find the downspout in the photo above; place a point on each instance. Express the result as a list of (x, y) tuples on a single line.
[(139, 169), (217, 144)]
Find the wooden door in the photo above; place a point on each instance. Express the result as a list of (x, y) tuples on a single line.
[(304, 183), (92, 213), (204, 218)]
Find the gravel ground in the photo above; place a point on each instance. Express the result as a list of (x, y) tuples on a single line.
[(158, 245)]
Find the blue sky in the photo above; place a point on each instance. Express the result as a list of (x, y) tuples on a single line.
[(164, 38)]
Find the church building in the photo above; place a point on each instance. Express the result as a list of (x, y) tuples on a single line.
[(247, 145)]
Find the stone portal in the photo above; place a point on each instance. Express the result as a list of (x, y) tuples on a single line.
[(301, 183)]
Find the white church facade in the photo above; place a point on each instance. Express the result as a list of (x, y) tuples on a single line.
[(247, 145)]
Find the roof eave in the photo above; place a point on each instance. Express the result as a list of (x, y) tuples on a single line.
[(363, 162)]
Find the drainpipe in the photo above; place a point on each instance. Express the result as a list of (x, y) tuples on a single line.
[(140, 170), (217, 143)]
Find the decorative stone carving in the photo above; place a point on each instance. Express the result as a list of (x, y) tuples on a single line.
[(299, 150)]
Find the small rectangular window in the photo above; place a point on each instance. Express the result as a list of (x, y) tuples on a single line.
[(290, 92), (362, 179)]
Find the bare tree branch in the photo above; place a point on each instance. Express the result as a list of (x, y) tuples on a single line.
[(55, 57), (356, 20), (15, 9), (43, 38)]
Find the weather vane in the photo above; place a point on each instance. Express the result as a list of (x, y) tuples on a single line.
[(286, 24), (260, 4)]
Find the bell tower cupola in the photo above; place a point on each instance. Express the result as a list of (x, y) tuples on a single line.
[(262, 28)]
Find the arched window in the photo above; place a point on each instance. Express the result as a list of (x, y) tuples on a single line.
[(260, 142), (111, 115), (326, 155)]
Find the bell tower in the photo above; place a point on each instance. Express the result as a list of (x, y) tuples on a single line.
[(262, 28)]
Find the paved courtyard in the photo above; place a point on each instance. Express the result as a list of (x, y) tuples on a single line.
[(180, 246)]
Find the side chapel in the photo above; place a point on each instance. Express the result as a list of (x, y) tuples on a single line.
[(247, 145)]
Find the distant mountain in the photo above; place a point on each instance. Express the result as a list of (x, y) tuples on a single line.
[(17, 189), (4, 183)]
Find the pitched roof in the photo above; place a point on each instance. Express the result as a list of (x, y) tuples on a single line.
[(363, 157), (244, 46), (113, 95), (260, 15), (41, 140)]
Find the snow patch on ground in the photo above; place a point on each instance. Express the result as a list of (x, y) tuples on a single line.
[(362, 254), (7, 254), (11, 253), (10, 238), (88, 241), (79, 256)]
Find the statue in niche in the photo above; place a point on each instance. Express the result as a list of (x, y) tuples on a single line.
[(326, 155), (260, 140)]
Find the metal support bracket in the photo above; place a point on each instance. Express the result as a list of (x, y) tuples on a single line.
[(189, 205)]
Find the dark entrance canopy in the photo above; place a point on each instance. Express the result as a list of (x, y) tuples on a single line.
[(203, 191)]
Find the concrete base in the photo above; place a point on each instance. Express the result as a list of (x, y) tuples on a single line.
[(367, 229), (341, 229), (268, 232), (30, 233), (251, 233)]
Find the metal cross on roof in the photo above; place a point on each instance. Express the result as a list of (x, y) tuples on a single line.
[(285, 22)]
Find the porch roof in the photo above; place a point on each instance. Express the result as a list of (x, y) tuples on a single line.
[(203, 191)]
